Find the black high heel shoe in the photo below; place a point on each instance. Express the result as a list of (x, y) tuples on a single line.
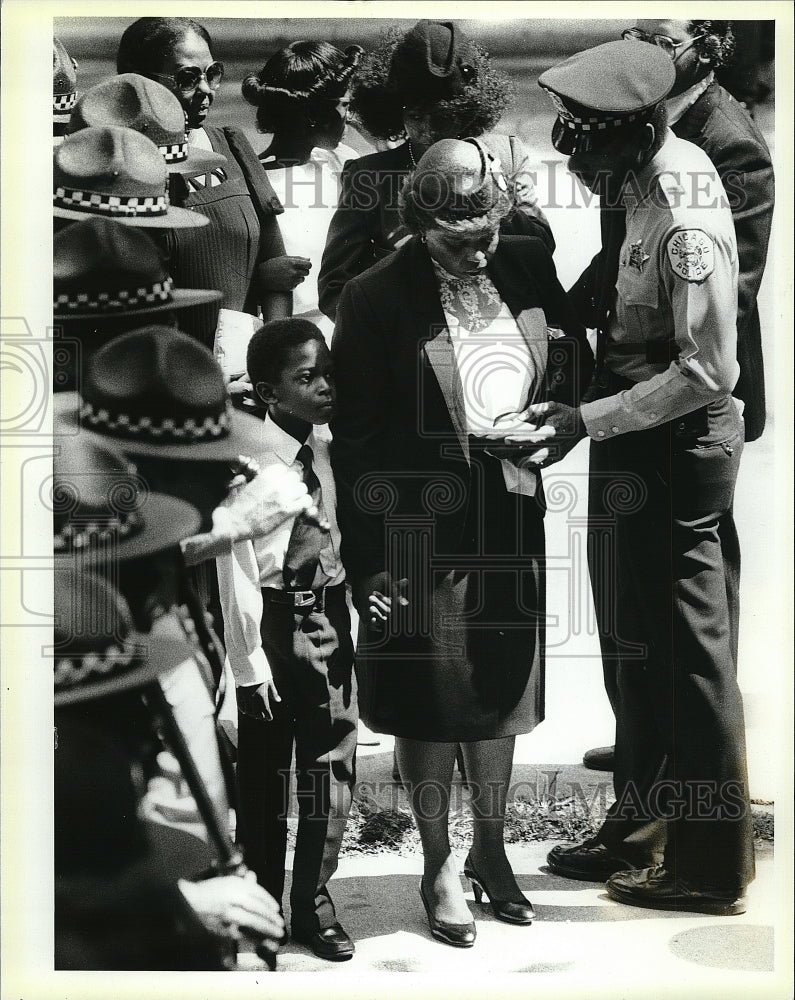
[(458, 935), (503, 909)]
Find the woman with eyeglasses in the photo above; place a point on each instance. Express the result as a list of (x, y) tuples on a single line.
[(241, 252), (302, 97)]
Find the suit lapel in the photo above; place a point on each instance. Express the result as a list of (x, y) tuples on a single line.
[(438, 348)]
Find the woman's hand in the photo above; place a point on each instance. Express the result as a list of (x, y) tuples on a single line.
[(283, 274)]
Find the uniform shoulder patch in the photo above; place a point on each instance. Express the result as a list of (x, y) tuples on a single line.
[(691, 254)]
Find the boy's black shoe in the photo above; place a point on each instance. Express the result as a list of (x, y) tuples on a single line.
[(590, 861), (658, 889), (332, 943)]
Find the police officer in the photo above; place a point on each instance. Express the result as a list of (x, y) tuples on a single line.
[(666, 440)]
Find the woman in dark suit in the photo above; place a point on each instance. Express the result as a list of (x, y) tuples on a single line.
[(432, 345), (429, 84)]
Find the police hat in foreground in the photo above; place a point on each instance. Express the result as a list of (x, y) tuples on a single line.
[(116, 173), (105, 271), (97, 652), (133, 101), (431, 62), (102, 509), (603, 90), (64, 86), (158, 392)]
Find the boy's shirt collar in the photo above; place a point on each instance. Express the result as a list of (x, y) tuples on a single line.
[(284, 445)]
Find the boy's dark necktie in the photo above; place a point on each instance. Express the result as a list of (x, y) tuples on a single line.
[(302, 558)]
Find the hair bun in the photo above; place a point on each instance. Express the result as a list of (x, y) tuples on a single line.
[(252, 90)]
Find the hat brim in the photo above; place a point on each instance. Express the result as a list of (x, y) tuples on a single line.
[(158, 655), (167, 521), (199, 161), (245, 437), (181, 298), (175, 218)]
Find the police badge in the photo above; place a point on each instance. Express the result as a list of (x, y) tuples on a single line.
[(691, 253)]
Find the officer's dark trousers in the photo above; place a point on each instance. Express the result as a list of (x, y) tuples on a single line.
[(664, 566), (311, 656)]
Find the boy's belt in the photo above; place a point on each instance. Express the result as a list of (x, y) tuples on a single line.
[(301, 600)]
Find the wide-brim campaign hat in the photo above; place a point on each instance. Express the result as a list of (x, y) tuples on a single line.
[(116, 173), (104, 271), (601, 91), (434, 60), (157, 392), (102, 508), (133, 101), (64, 86), (97, 652)]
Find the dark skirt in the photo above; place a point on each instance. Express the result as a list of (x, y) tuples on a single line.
[(465, 660)]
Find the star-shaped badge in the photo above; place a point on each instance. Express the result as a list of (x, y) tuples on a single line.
[(637, 256)]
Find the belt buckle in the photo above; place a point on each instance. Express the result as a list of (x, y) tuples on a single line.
[(303, 599)]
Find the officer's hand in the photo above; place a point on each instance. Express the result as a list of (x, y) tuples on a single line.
[(552, 431), (381, 604), (262, 505), (283, 274), (255, 700), (228, 904)]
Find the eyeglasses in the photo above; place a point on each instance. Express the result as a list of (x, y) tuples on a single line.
[(188, 78), (668, 45)]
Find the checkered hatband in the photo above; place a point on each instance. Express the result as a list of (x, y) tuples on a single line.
[(111, 204), (82, 535), (598, 123), (116, 301), (73, 670), (63, 102), (165, 431), (176, 153)]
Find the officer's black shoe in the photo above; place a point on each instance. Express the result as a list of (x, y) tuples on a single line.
[(658, 889), (589, 861), (600, 759), (332, 943)]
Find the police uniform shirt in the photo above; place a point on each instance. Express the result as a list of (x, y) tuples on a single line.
[(259, 563), (677, 280)]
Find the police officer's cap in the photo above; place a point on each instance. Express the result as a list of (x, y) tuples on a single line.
[(605, 89)]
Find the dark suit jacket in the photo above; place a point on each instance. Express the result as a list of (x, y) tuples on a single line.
[(366, 226), (718, 124), (399, 440)]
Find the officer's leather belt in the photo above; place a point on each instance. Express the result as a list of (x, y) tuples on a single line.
[(656, 351), (301, 600)]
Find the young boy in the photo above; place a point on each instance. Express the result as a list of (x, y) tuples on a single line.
[(288, 638)]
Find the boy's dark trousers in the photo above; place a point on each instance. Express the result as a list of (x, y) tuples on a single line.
[(310, 652)]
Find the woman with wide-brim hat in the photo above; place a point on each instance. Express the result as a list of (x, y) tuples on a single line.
[(240, 252), (438, 517), (428, 84)]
